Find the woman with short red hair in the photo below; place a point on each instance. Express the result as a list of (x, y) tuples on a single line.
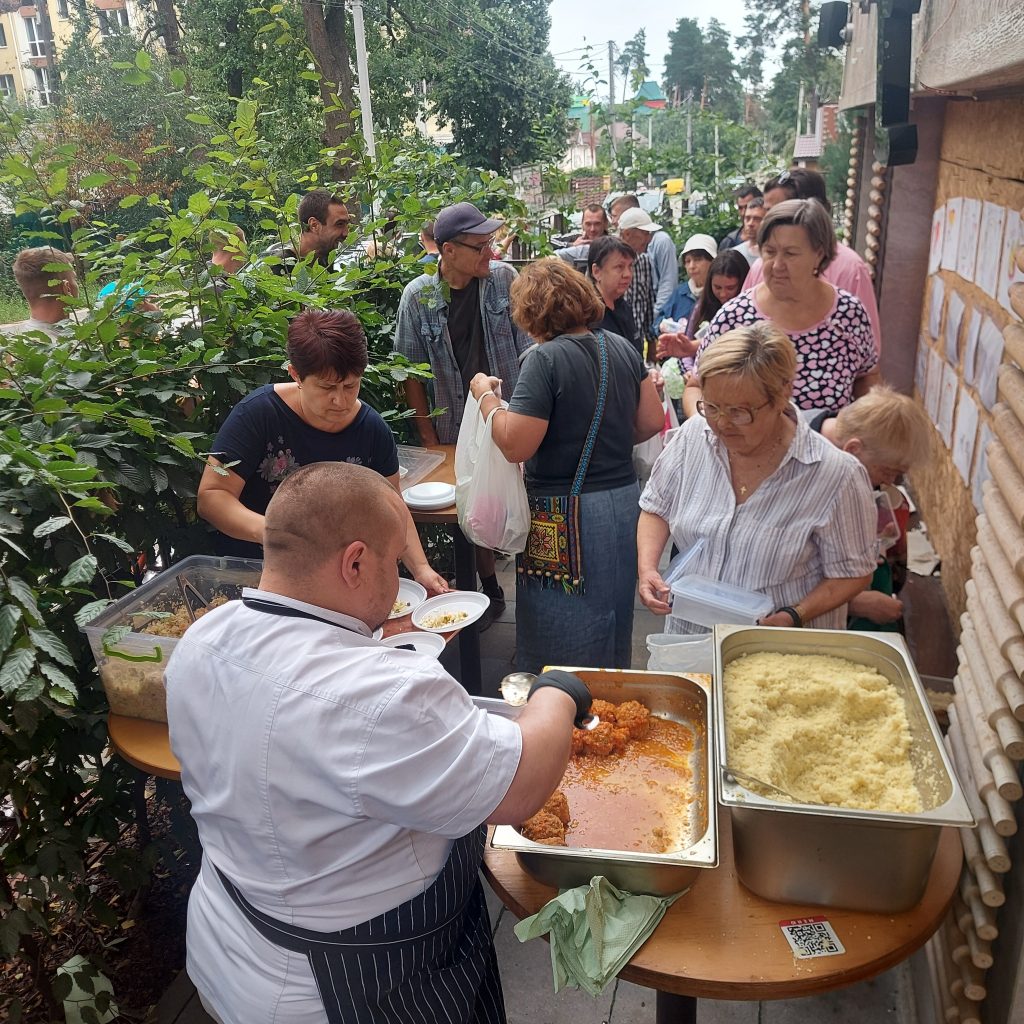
[(315, 417)]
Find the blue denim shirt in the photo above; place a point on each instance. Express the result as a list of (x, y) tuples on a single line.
[(421, 335)]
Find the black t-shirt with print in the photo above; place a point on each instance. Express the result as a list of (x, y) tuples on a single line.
[(268, 441)]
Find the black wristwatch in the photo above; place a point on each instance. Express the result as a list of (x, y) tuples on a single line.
[(570, 684), (792, 613)]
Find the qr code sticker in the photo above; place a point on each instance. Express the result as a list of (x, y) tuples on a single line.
[(810, 937)]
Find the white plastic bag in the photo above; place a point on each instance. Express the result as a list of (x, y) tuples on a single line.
[(490, 494), (646, 453)]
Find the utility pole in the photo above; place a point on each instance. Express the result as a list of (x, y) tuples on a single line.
[(365, 109), (611, 94), (716, 153), (689, 137)]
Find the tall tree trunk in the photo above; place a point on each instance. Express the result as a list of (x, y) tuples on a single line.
[(325, 31), (46, 31), (168, 29), (233, 77)]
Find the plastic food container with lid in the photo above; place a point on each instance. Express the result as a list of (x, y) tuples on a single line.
[(710, 603), (132, 665)]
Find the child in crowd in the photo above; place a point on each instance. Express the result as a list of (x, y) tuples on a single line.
[(888, 433)]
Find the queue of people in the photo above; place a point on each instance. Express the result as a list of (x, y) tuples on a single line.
[(341, 787)]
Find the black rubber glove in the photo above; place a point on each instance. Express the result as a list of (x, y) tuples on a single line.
[(570, 684)]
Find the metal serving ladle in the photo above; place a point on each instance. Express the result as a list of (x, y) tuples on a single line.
[(515, 688), (734, 775)]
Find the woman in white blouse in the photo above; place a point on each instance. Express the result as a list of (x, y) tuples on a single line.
[(779, 509)]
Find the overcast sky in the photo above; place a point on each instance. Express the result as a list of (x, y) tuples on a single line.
[(575, 23)]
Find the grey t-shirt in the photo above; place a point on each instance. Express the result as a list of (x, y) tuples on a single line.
[(559, 383)]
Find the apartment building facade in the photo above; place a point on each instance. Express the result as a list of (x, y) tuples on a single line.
[(25, 46)]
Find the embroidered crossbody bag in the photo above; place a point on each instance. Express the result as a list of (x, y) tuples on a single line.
[(553, 555)]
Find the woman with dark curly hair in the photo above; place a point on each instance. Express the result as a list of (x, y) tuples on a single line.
[(582, 401)]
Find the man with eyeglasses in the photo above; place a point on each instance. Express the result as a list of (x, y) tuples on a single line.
[(458, 321)]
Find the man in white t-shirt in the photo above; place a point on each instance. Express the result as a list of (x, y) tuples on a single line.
[(47, 291), (339, 785)]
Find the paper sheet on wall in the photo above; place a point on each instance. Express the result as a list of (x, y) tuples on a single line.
[(990, 248), (921, 366), (933, 389), (990, 355), (972, 328), (936, 294), (938, 228), (951, 233), (954, 315), (1013, 238), (964, 435), (970, 225), (981, 473), (947, 404)]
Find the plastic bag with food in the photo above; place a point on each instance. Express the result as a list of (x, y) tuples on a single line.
[(490, 494)]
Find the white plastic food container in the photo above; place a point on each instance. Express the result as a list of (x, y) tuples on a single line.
[(710, 603)]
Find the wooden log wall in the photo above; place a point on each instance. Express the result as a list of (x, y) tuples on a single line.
[(974, 967), (981, 167)]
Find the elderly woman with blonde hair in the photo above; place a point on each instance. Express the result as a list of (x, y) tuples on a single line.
[(583, 400), (778, 508)]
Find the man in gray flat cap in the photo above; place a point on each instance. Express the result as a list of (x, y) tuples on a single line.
[(459, 321)]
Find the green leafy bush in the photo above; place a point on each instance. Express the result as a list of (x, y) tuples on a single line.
[(103, 434)]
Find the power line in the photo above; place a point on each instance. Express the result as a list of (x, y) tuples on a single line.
[(489, 35)]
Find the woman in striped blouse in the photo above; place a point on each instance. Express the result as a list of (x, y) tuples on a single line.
[(779, 509)]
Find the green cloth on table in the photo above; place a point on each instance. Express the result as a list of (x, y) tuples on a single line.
[(595, 929)]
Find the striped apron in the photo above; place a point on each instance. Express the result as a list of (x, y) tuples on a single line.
[(427, 961)]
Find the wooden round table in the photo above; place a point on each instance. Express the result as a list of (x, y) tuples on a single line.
[(721, 941)]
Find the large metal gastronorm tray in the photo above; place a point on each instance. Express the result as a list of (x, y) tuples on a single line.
[(678, 698), (833, 856)]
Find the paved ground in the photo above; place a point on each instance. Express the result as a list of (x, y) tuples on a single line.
[(530, 999)]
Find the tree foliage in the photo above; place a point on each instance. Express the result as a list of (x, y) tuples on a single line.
[(486, 71), (800, 65), (684, 73), (103, 430), (700, 63), (632, 63), (790, 27)]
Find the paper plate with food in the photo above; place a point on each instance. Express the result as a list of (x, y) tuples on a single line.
[(410, 596), (450, 611)]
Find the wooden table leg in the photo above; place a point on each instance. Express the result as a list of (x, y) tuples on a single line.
[(469, 638), (673, 1009)]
